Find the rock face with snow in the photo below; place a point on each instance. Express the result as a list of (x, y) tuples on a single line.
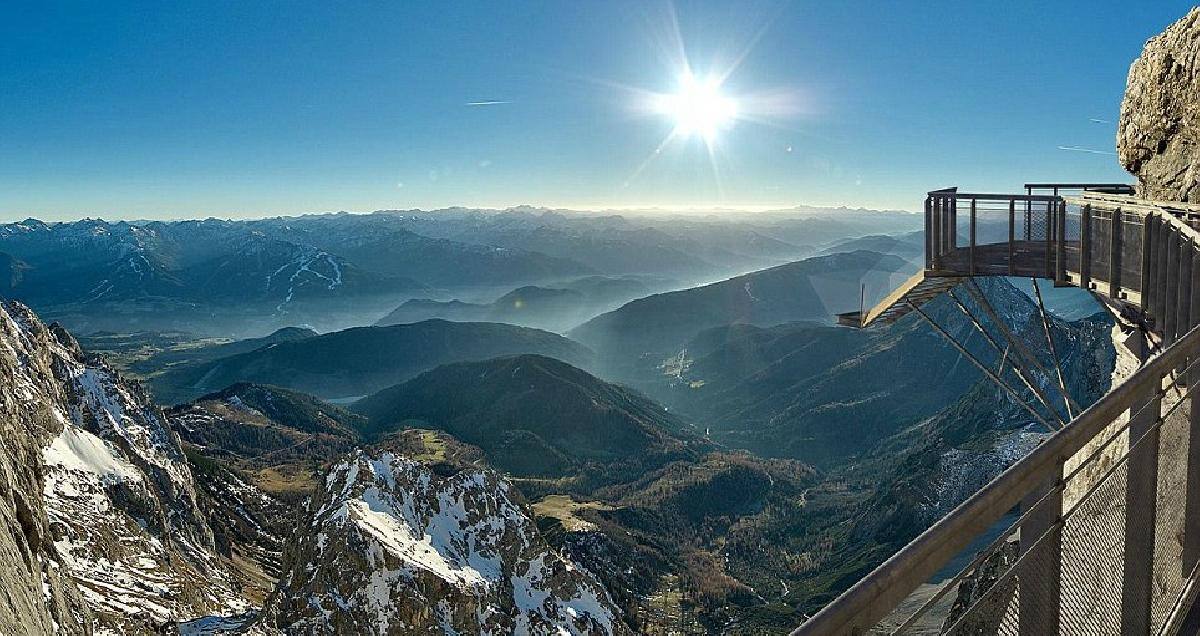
[(395, 547), (99, 504), (1159, 134), (35, 586)]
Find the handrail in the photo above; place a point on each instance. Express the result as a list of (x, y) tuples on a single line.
[(1165, 253), (1079, 186), (991, 196)]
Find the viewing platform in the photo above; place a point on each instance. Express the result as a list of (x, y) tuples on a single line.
[(1097, 530)]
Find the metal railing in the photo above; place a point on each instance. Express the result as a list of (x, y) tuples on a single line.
[(1106, 534), (991, 234)]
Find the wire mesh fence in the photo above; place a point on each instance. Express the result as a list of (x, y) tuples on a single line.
[(1073, 574)]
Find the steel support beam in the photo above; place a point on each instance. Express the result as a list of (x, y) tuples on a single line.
[(1017, 343)]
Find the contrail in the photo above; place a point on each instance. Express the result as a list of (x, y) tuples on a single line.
[(1088, 150), (488, 102)]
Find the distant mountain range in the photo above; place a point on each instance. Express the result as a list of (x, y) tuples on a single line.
[(223, 277), (909, 246)]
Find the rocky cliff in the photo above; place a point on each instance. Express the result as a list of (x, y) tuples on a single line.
[(100, 529), (39, 595), (395, 547), (1158, 138)]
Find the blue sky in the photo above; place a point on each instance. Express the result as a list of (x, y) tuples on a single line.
[(185, 109)]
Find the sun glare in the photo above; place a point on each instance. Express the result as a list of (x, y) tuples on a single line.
[(698, 108)]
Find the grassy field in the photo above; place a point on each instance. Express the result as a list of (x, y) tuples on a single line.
[(145, 354), (434, 448), (563, 508)]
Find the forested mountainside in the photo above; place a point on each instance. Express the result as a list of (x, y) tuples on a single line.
[(361, 360), (537, 417), (812, 289), (797, 389)]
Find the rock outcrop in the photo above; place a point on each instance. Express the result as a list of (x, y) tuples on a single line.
[(37, 595), (1158, 138), (396, 546), (100, 529)]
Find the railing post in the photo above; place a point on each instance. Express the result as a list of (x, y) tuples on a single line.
[(1039, 612), (937, 232), (1160, 272), (1028, 215), (1171, 286), (929, 232), (1048, 272), (1060, 269), (953, 219), (1141, 510), (971, 254), (1147, 262), (1012, 234), (1183, 312), (1115, 238), (1085, 248)]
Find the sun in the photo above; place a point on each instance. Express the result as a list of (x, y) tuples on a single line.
[(698, 108)]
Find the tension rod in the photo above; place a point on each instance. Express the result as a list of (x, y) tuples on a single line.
[(988, 372), (1032, 386), (1062, 385), (983, 302)]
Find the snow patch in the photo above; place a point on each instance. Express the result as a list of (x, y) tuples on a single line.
[(76, 449)]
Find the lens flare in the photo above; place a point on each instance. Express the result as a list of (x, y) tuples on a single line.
[(698, 108)]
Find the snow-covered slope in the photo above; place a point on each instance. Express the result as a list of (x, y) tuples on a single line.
[(115, 510), (395, 548)]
